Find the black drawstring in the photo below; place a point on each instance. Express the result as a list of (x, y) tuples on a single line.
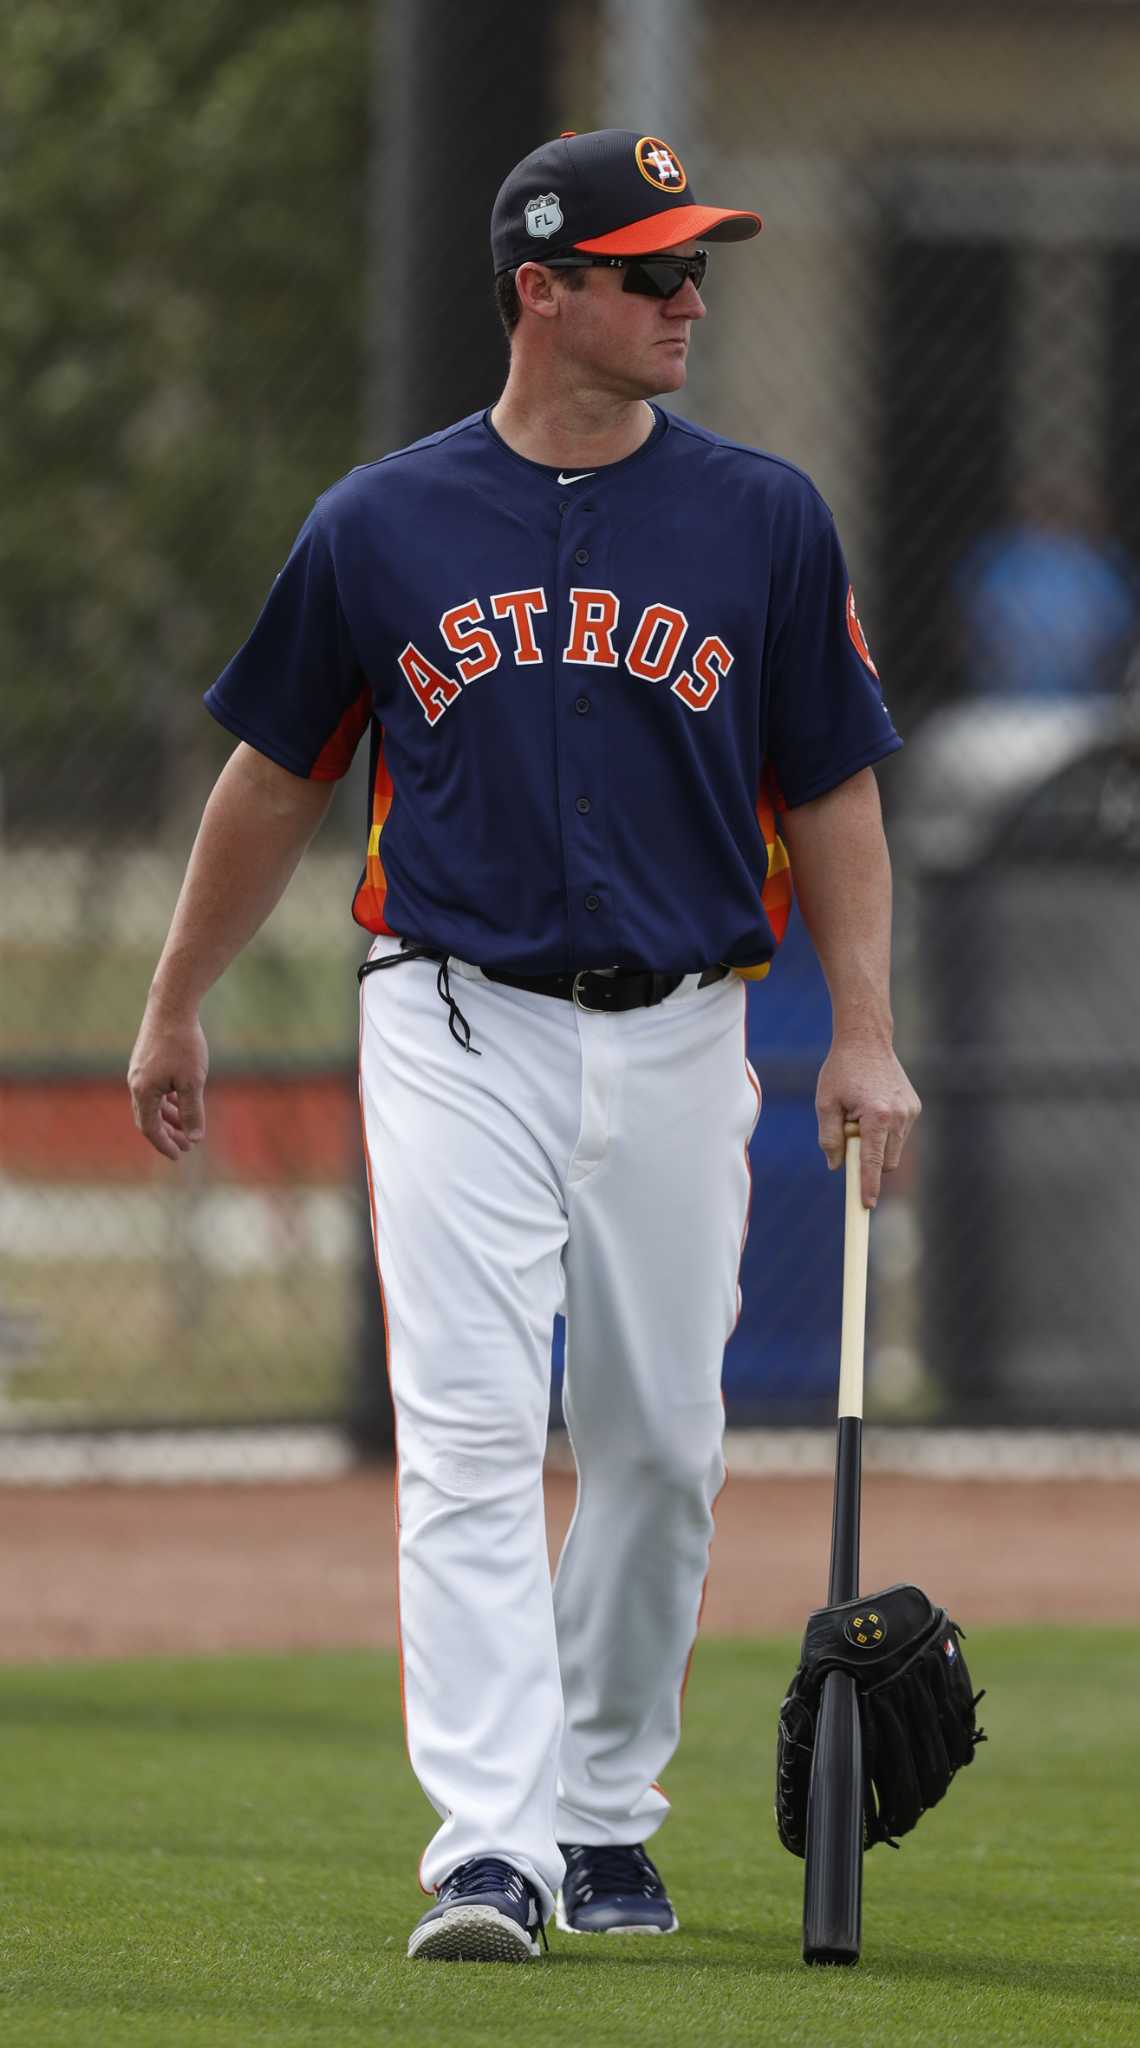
[(442, 982), (454, 1013)]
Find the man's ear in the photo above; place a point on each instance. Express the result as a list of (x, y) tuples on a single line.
[(537, 289)]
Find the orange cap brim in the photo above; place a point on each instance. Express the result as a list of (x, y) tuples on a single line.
[(672, 225)]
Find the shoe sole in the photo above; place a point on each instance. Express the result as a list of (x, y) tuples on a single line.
[(638, 1927), (472, 1934)]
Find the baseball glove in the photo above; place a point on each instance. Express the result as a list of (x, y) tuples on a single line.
[(916, 1705)]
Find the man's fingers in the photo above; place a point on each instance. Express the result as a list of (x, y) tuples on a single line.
[(831, 1135), (167, 1080), (191, 1111), (868, 1088), (880, 1152), (172, 1123), (872, 1150), (171, 1117), (147, 1107)]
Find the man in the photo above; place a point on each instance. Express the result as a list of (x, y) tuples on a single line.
[(599, 650)]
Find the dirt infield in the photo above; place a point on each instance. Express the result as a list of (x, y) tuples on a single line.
[(107, 1571)]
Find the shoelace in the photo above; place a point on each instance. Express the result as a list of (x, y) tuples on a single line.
[(613, 1869), (485, 1874), (489, 1874), (443, 986)]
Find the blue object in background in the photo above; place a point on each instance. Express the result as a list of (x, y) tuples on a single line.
[(1047, 612), (782, 1363)]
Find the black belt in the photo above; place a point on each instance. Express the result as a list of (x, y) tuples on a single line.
[(592, 988), (604, 988)]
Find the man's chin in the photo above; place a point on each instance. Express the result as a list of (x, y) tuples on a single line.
[(668, 373), (671, 375)]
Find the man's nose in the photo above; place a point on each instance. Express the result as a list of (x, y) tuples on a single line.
[(687, 304)]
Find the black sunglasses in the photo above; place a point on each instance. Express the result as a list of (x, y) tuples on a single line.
[(651, 277)]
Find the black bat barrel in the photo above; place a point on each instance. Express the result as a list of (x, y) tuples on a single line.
[(833, 1876)]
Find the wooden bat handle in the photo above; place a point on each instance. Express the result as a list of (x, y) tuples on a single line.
[(856, 1240)]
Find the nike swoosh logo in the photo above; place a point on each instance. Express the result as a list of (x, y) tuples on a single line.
[(575, 479)]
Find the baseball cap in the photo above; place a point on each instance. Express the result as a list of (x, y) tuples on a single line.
[(611, 192)]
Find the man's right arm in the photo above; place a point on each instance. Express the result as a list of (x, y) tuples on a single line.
[(256, 825)]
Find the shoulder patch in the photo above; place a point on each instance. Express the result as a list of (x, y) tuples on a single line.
[(858, 637)]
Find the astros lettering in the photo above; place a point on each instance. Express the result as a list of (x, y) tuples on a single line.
[(651, 655)]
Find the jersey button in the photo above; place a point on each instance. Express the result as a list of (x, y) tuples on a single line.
[(581, 704), (593, 902), (564, 504), (582, 804), (581, 556)]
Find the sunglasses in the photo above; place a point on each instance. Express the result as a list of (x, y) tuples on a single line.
[(651, 277)]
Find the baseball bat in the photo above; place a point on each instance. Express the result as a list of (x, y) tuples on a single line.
[(833, 1873)]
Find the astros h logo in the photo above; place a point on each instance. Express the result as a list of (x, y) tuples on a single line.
[(660, 164)]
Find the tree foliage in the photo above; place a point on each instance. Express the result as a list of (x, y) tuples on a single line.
[(182, 202)]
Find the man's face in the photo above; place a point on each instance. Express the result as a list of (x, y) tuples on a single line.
[(623, 343)]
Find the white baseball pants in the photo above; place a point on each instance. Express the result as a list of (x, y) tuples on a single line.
[(595, 1164)]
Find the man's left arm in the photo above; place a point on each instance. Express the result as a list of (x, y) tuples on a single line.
[(842, 875)]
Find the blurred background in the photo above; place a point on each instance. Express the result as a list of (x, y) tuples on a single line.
[(245, 248)]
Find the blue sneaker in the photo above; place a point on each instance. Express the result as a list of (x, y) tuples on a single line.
[(483, 1914), (612, 1891)]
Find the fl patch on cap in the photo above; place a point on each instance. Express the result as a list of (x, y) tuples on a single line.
[(612, 192)]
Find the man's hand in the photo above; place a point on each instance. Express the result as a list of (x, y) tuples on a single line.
[(843, 885), (864, 1083), (167, 1080), (256, 825)]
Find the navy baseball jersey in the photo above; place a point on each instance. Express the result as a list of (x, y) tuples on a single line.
[(589, 693)]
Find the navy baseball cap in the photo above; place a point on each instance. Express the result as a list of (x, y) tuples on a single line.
[(612, 192)]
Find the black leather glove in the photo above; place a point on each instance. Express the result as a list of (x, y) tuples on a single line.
[(916, 1705)]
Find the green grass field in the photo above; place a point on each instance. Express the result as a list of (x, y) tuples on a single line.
[(224, 1851)]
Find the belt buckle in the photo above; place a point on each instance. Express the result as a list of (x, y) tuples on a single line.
[(575, 989)]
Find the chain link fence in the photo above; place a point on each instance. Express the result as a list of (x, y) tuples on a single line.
[(244, 249)]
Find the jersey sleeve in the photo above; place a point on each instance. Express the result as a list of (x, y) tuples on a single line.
[(826, 717), (296, 691)]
